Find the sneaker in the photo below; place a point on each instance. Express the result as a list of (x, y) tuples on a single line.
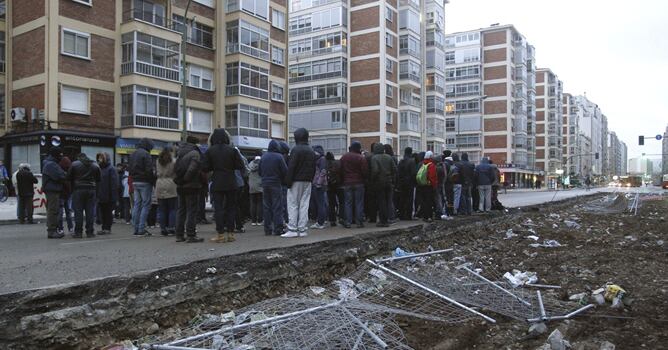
[(261, 223), (102, 232), (55, 235), (290, 234), (317, 226), (253, 224), (303, 234), (194, 239), (346, 225), (70, 231)]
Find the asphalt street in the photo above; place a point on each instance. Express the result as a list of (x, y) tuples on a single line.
[(28, 260)]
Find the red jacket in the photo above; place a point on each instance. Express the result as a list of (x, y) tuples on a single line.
[(354, 169), (431, 173)]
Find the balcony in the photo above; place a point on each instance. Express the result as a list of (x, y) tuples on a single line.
[(410, 3), (318, 101), (150, 121), (410, 52), (148, 12), (318, 52), (248, 50), (409, 77), (328, 75), (152, 70)]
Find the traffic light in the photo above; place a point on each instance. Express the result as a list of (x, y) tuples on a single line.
[(596, 155), (641, 140)]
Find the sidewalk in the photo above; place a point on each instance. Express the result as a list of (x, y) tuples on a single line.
[(8, 212)]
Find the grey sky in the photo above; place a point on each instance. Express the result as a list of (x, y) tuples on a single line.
[(615, 51)]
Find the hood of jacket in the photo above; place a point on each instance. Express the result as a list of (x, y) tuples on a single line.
[(105, 163), (220, 137), (301, 136), (319, 151), (465, 157), (284, 147), (146, 144), (274, 146), (83, 158), (378, 148), (484, 160), (185, 148)]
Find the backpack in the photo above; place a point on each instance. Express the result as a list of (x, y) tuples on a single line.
[(333, 175), (422, 176)]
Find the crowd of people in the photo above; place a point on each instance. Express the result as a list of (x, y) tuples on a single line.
[(281, 189)]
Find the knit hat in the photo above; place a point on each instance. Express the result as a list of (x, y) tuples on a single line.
[(428, 155), (56, 152), (355, 146), (408, 151), (192, 139)]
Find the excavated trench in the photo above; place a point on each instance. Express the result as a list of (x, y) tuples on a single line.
[(96, 313)]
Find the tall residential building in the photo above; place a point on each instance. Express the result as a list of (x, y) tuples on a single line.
[(614, 155), (624, 151), (664, 148), (364, 79), (603, 153), (549, 122), (641, 166), (491, 97), (96, 76), (570, 133), (590, 120)]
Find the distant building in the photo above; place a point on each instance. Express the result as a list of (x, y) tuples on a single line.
[(665, 151), (641, 166)]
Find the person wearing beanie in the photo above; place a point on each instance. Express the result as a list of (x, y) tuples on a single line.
[(301, 170), (406, 172), (187, 170), (427, 181), (53, 179), (354, 170), (142, 173), (383, 173)]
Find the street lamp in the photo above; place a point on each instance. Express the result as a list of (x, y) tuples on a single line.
[(184, 79)]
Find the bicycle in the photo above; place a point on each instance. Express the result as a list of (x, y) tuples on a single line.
[(4, 193)]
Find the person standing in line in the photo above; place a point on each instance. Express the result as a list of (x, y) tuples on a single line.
[(354, 171), (201, 200), (301, 169), (84, 176), (448, 188), (165, 189), (107, 192), (370, 205), (66, 200), (334, 201), (485, 178), (285, 151), (272, 169), (223, 160), (255, 191), (466, 170), (125, 193), (53, 178), (383, 173), (25, 191), (142, 172), (406, 172), (187, 179), (242, 206), (393, 203), (427, 185), (319, 186)]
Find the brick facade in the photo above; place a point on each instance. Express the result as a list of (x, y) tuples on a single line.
[(496, 107), (101, 116), (30, 97), (100, 66), (24, 11), (496, 124), (495, 55), (365, 70), (366, 121), (200, 52), (28, 54), (494, 38), (365, 44), (200, 95), (498, 72), (495, 141), (366, 141), (499, 89), (362, 96), (101, 14), (364, 19)]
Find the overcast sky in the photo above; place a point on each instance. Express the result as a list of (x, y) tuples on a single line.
[(615, 51)]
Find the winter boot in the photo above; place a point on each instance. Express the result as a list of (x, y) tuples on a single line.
[(219, 239)]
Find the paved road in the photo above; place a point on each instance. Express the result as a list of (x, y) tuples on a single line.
[(29, 260)]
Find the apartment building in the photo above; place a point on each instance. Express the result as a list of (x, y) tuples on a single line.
[(570, 132), (491, 99), (664, 148), (623, 150), (590, 119), (355, 72), (549, 123), (94, 75), (614, 155)]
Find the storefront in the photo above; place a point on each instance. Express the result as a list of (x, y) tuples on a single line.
[(126, 146), (33, 147), (517, 177)]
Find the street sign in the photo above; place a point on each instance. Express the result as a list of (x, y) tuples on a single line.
[(659, 137)]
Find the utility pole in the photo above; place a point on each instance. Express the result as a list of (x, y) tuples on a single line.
[(184, 77)]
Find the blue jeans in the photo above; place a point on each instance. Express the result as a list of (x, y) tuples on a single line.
[(142, 194), (320, 199), (65, 206), (272, 209), (83, 201), (465, 205), (354, 193), (167, 213)]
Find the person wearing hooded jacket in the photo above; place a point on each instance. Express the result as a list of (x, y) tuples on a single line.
[(485, 177), (272, 169), (84, 176), (406, 172), (466, 173), (53, 179), (25, 191), (354, 171), (427, 191), (285, 151), (301, 169), (255, 191), (223, 160), (107, 192), (187, 178), (142, 172), (319, 186), (383, 174)]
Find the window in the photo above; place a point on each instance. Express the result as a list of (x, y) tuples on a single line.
[(197, 33), (248, 80), (389, 39), (435, 127), (409, 19), (450, 57), (248, 39), (319, 45), (389, 117), (450, 125), (199, 120), (257, 8), (409, 44), (244, 120), (436, 59), (155, 56), (409, 70), (73, 100), (278, 19), (277, 130), (201, 77), (321, 69), (459, 73), (465, 89), (318, 95), (409, 141), (389, 14), (318, 119), (277, 55), (277, 93), (410, 121), (75, 43), (389, 92), (85, 2), (435, 104), (389, 65)]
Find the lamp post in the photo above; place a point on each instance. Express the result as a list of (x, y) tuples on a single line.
[(184, 79)]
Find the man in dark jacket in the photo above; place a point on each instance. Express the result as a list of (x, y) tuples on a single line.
[(222, 159), (301, 169), (383, 172), (354, 171), (107, 192), (406, 172), (188, 182), (53, 178), (285, 151), (319, 188), (485, 177), (142, 172), (466, 172), (448, 188), (272, 171), (334, 193), (25, 191), (84, 176)]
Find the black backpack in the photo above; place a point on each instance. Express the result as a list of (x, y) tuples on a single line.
[(333, 176)]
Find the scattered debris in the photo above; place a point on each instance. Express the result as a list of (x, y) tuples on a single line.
[(606, 345), (518, 278), (153, 328), (317, 290), (557, 342), (548, 243), (572, 224), (537, 328), (274, 256), (211, 270), (510, 234), (535, 238)]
